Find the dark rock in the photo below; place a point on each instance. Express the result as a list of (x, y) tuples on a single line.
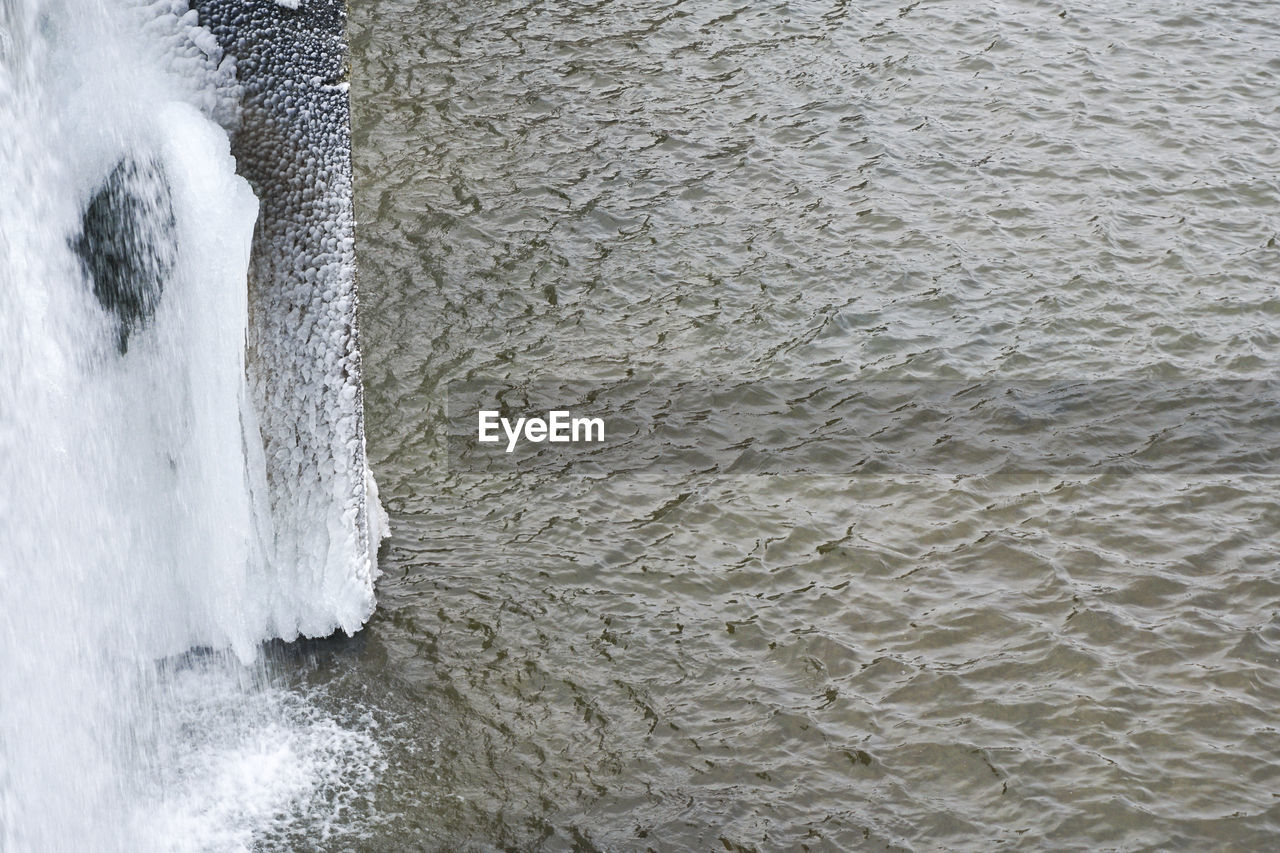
[(127, 243)]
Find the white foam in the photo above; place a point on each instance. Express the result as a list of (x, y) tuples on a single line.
[(256, 771)]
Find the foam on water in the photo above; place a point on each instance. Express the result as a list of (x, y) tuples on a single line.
[(133, 517), (246, 765)]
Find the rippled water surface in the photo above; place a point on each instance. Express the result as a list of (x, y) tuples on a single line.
[(952, 655)]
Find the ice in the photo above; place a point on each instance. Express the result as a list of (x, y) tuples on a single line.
[(304, 355), (137, 514)]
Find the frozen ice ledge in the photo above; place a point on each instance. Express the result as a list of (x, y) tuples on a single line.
[(292, 142)]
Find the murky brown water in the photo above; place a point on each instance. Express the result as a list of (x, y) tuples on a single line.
[(948, 655)]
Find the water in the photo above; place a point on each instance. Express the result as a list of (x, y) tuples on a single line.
[(1036, 244), (1076, 202)]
